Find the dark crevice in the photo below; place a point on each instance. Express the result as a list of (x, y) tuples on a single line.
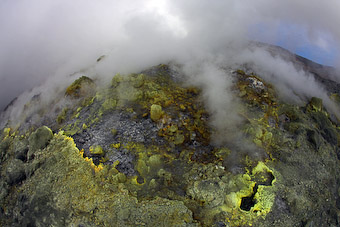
[(264, 178), (248, 202), (140, 180)]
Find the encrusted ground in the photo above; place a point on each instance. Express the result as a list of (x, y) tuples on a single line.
[(139, 152)]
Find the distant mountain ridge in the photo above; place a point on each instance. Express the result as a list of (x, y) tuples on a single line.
[(326, 75)]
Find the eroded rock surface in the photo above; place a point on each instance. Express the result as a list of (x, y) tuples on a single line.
[(140, 153)]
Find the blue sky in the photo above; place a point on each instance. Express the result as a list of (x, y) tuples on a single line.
[(317, 46), (317, 54)]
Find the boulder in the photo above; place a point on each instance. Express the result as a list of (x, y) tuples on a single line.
[(315, 104), (81, 87), (39, 140), (20, 148), (156, 112), (15, 172)]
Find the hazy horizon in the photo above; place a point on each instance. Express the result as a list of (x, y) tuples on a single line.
[(49, 40)]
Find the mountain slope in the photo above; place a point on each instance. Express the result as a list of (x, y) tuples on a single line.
[(143, 151)]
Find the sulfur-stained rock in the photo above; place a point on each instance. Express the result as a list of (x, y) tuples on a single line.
[(109, 104), (156, 112), (125, 211), (62, 116), (179, 139), (289, 113), (39, 140), (315, 104), (97, 150), (168, 170), (83, 86), (209, 192), (116, 80), (138, 81)]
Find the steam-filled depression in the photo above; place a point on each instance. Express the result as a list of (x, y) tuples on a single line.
[(45, 45), (169, 113)]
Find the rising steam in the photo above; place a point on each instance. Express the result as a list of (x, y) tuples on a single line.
[(44, 42)]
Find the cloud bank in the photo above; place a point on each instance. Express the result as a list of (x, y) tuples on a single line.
[(44, 42)]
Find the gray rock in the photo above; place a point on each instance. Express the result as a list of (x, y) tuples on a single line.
[(31, 167), (20, 148), (3, 190), (39, 140), (314, 138), (15, 172), (5, 148)]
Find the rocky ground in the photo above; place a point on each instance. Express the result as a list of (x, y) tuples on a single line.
[(140, 152)]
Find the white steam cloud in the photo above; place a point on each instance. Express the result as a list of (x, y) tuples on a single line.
[(45, 41)]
